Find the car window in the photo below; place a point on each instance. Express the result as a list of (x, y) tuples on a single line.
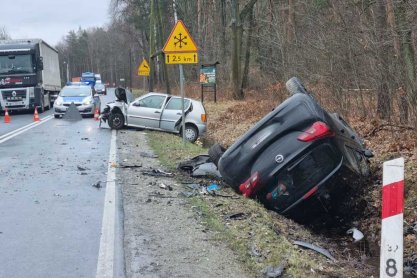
[(176, 104), (295, 181), (152, 102)]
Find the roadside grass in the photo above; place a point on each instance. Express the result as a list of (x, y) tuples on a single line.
[(262, 238), (170, 148)]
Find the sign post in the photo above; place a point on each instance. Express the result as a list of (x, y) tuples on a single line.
[(144, 70), (391, 264), (180, 49)]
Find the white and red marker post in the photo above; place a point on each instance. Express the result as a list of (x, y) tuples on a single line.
[(391, 264)]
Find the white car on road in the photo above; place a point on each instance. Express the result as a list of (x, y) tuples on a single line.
[(156, 111)]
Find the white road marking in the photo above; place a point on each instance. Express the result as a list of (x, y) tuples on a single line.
[(105, 263), (23, 129)]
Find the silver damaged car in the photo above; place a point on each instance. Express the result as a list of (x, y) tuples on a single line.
[(156, 111)]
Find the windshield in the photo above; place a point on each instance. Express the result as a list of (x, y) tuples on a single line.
[(76, 91), (16, 64)]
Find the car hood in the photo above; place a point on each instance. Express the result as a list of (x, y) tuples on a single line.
[(73, 99)]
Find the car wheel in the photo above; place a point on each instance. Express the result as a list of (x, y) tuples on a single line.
[(191, 133), (215, 152), (116, 120), (56, 116)]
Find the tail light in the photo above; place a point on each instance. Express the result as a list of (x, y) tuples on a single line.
[(318, 130), (204, 118), (310, 192), (249, 187)]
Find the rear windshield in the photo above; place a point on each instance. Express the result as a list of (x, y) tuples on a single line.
[(296, 180), (76, 91)]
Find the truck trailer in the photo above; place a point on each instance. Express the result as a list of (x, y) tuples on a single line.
[(29, 75)]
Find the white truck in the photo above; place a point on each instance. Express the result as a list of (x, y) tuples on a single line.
[(29, 75)]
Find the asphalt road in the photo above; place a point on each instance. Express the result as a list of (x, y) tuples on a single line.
[(50, 214)]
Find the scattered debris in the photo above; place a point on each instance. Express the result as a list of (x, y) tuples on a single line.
[(194, 186), (273, 271), (97, 185), (318, 249), (129, 166), (82, 168), (410, 264), (206, 170), (157, 173), (144, 154), (189, 165), (187, 194), (85, 139), (236, 216), (166, 187), (356, 234), (254, 252), (213, 187)]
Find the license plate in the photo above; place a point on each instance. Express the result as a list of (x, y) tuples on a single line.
[(14, 98)]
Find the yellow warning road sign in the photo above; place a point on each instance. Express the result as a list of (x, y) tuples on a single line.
[(180, 40), (181, 58), (144, 68)]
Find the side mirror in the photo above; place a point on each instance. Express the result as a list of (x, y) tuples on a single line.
[(137, 104), (40, 63)]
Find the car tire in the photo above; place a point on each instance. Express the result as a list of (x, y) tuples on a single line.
[(191, 133), (56, 116), (116, 120), (215, 153)]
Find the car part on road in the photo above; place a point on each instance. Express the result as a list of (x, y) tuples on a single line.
[(273, 271), (206, 170), (72, 114), (356, 234), (149, 155), (157, 173), (191, 164), (215, 152), (129, 166), (318, 249), (97, 185), (236, 216)]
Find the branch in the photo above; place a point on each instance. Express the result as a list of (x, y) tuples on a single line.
[(246, 10)]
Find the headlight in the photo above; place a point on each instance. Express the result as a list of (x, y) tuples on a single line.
[(87, 101), (58, 101)]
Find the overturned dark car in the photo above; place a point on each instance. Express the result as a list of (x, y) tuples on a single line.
[(296, 153)]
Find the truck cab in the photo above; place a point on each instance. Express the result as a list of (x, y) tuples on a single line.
[(29, 75)]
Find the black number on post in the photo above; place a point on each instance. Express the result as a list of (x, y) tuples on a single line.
[(391, 269)]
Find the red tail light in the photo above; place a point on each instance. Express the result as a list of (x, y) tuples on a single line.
[(249, 187), (311, 192), (318, 130)]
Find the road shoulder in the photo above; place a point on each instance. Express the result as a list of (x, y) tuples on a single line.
[(162, 235)]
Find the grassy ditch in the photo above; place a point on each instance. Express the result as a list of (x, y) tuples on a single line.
[(260, 238)]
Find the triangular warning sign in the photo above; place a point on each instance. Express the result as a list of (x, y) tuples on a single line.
[(144, 68), (180, 40)]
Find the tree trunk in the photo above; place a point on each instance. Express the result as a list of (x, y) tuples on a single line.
[(237, 39), (291, 21), (161, 44), (407, 56), (248, 49), (384, 97)]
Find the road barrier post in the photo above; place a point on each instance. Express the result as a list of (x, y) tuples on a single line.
[(391, 263)]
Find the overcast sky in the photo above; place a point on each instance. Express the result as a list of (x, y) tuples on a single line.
[(50, 20)]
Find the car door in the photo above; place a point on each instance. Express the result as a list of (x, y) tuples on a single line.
[(146, 112), (173, 112)]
